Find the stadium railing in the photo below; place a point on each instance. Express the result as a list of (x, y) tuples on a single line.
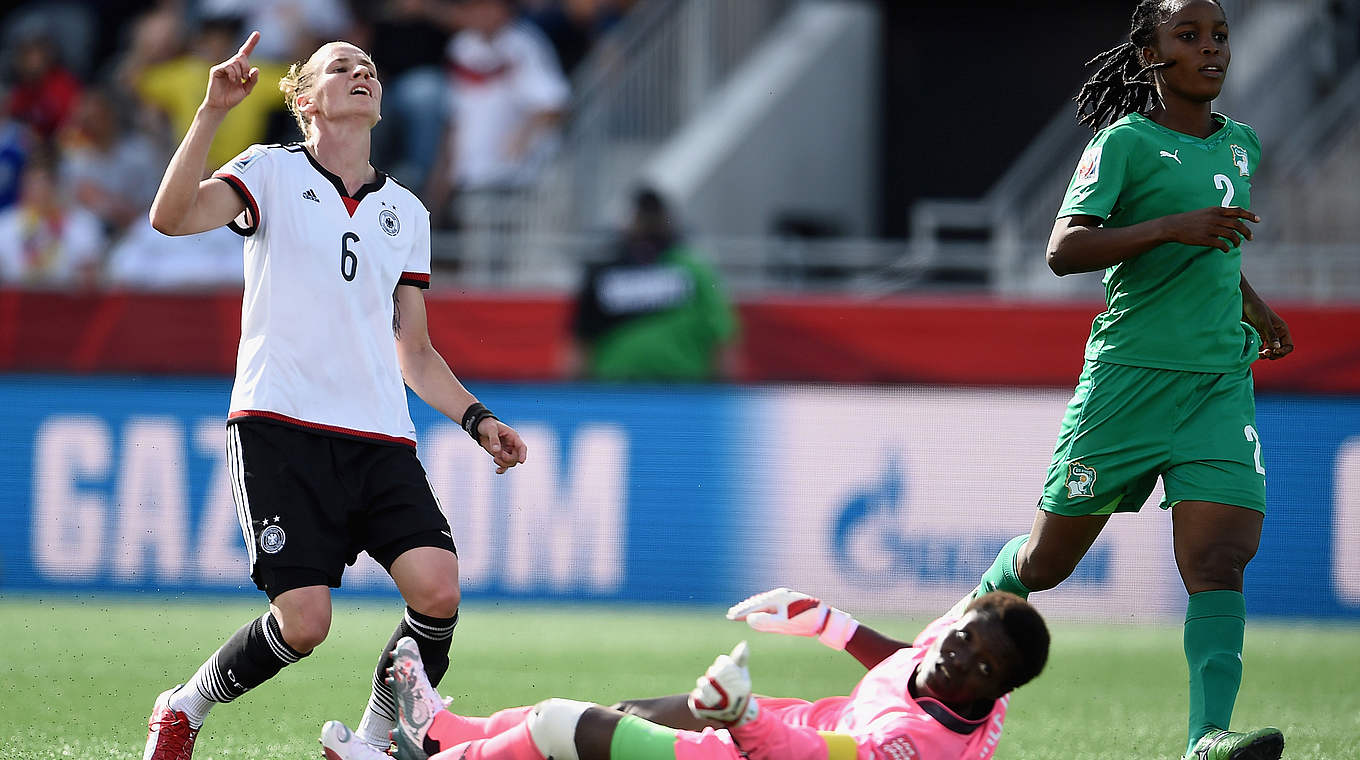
[(635, 89), (871, 268)]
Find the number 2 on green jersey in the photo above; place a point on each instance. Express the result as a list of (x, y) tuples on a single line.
[(1255, 437), (1222, 182)]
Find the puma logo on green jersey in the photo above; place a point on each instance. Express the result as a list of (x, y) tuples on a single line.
[(1081, 480), (1169, 154)]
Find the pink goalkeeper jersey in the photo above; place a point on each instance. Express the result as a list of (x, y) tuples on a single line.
[(884, 719)]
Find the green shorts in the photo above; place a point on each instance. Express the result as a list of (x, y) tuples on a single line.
[(1127, 425)]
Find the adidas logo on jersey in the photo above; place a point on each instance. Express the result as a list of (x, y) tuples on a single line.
[(310, 195)]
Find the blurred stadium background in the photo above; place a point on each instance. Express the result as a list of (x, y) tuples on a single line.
[(874, 183)]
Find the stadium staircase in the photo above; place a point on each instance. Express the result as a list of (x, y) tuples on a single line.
[(635, 90), (643, 100)]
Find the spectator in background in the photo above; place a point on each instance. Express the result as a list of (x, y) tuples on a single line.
[(14, 147), (175, 86), (43, 92), (45, 239), (295, 27), (654, 310), (574, 26), (509, 97), (144, 259), (409, 37), (109, 169)]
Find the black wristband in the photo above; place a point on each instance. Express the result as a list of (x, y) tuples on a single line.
[(473, 417)]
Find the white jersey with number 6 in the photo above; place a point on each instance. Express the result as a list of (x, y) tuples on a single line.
[(321, 269)]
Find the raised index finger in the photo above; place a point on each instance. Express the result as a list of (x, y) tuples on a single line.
[(249, 45), (1241, 213)]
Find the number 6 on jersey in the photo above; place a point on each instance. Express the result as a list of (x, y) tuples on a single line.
[(349, 260)]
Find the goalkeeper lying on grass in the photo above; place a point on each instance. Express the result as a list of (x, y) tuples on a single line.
[(941, 697)]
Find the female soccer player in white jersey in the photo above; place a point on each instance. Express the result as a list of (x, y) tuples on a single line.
[(1160, 201), (320, 441)]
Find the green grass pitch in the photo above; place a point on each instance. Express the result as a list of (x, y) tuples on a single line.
[(80, 674)]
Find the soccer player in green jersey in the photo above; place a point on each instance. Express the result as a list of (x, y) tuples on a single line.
[(1160, 201)]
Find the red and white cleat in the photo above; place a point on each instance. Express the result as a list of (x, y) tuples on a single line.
[(169, 735)]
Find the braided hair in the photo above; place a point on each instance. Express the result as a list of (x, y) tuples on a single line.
[(1122, 83)]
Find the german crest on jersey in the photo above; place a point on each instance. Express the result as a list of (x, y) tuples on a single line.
[(389, 222), (1088, 169), (1081, 480), (1240, 159)]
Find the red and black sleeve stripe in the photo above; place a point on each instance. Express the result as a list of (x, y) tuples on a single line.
[(419, 279), (252, 208)]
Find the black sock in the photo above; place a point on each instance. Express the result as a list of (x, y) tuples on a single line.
[(433, 636), (252, 655)]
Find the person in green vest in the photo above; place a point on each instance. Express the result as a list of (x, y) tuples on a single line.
[(654, 311)]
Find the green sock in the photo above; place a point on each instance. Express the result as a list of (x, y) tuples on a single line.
[(642, 740), (1215, 622), (1001, 576)]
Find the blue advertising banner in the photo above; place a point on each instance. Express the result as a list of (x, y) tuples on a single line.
[(900, 498), (886, 499), (1309, 560), (119, 484)]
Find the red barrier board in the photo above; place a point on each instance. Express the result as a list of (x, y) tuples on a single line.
[(993, 342), (493, 337)]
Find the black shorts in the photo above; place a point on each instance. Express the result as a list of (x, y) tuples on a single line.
[(308, 503)]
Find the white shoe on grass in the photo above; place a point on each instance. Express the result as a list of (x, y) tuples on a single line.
[(340, 743)]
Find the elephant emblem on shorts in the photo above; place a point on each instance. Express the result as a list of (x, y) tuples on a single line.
[(1081, 480)]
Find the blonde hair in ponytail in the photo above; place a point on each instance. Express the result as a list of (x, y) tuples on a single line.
[(299, 80)]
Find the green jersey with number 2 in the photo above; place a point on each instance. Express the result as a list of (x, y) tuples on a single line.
[(1175, 306)]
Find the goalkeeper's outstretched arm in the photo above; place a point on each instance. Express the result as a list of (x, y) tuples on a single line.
[(870, 647), (784, 610)]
